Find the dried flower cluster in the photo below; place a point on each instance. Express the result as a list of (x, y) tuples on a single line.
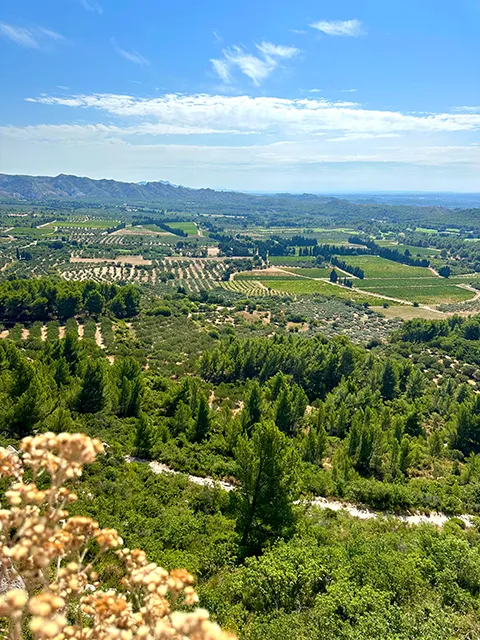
[(50, 590)]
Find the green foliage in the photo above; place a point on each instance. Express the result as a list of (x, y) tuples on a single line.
[(43, 299), (266, 469), (91, 397)]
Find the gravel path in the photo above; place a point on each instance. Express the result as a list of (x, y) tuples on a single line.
[(437, 519)]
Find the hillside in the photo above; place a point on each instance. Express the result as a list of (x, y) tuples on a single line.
[(45, 189)]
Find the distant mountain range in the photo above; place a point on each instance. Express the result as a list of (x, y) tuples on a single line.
[(65, 187), (275, 208)]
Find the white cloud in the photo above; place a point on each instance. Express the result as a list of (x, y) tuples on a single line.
[(53, 35), (33, 38), (21, 36), (257, 69), (267, 114), (68, 132), (349, 90), (352, 28), (467, 109), (91, 5), (254, 67), (222, 69), (304, 144), (271, 50), (349, 137), (131, 56)]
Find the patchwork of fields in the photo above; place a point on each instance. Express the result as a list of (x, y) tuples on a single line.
[(147, 255)]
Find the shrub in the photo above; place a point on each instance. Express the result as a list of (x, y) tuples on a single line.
[(53, 590)]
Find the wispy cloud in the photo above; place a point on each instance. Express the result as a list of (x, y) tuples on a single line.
[(352, 28), (216, 36), (91, 5), (222, 69), (349, 90), (131, 56), (269, 115), (257, 68), (33, 38), (467, 109), (271, 50)]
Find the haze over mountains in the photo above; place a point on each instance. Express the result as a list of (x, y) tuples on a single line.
[(162, 194)]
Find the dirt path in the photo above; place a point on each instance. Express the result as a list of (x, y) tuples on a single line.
[(81, 331), (437, 519), (98, 336), (25, 334), (469, 288), (211, 399), (41, 226), (43, 333), (4, 334), (61, 332), (345, 273)]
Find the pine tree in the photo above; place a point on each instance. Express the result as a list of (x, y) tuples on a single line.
[(388, 387), (143, 438), (94, 303), (129, 383), (284, 413), (91, 398), (202, 422), (267, 471), (182, 421), (310, 446), (253, 407), (70, 349)]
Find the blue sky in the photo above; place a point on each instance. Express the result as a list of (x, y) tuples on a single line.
[(272, 95)]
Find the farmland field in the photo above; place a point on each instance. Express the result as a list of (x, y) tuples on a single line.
[(83, 224), (376, 267), (314, 272), (422, 251), (299, 286), (187, 227), (281, 261), (422, 290)]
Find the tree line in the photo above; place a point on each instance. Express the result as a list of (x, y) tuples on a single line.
[(45, 299)]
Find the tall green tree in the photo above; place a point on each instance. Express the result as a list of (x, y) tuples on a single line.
[(202, 420), (94, 303), (143, 437), (388, 386), (267, 471), (91, 397), (252, 412), (128, 380), (284, 412)]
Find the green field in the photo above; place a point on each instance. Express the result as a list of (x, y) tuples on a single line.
[(188, 227), (314, 272), (30, 231), (84, 224), (425, 291), (376, 267), (302, 286), (291, 260), (415, 251)]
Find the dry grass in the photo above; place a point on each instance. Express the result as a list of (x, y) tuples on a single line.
[(408, 313), (135, 260)]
